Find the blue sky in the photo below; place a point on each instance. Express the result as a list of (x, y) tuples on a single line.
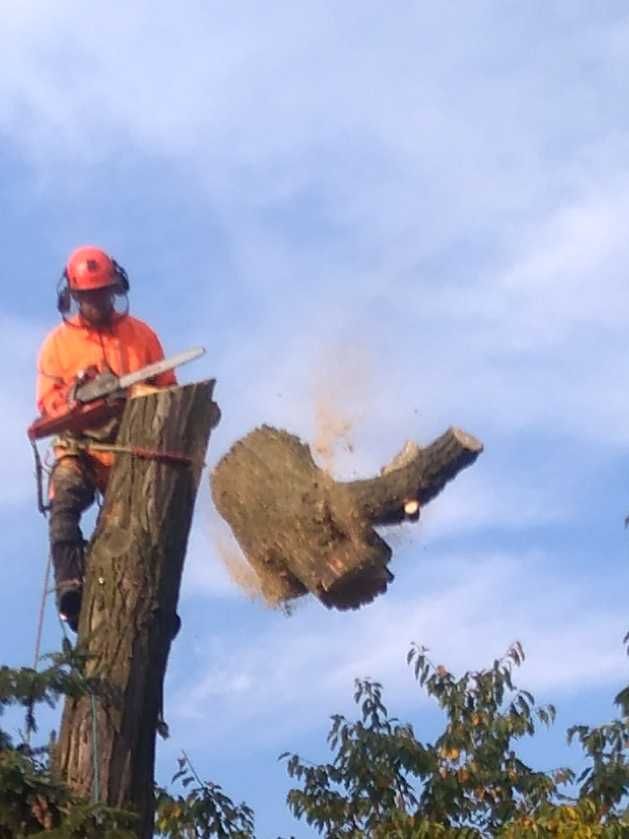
[(381, 220)]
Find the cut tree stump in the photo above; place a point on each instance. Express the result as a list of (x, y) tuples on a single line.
[(302, 531), (129, 614)]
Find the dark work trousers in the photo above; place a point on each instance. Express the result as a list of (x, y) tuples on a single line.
[(72, 491)]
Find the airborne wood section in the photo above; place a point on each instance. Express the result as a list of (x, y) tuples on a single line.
[(302, 531), (134, 566)]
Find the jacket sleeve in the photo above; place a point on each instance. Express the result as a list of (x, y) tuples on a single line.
[(51, 387), (156, 353)]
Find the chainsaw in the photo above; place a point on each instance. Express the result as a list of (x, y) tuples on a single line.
[(93, 398)]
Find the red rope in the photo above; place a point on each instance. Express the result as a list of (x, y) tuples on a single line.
[(134, 451), (151, 454)]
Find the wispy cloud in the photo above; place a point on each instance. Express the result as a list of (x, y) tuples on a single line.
[(18, 345), (353, 199), (467, 609)]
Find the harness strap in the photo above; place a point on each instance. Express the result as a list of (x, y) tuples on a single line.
[(80, 446), (39, 477), (139, 451)]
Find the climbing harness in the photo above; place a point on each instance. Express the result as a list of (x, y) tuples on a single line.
[(74, 447)]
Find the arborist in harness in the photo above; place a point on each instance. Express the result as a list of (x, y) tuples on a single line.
[(97, 342)]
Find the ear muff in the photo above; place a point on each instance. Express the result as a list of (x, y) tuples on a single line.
[(123, 277), (64, 301)]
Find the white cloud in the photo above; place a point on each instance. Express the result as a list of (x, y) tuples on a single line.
[(472, 504), (467, 609), (362, 119), (19, 341)]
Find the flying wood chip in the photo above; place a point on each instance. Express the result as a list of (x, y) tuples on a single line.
[(302, 531)]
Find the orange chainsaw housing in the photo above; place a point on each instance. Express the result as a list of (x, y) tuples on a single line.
[(77, 419)]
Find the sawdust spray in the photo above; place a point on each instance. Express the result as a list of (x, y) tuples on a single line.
[(341, 389)]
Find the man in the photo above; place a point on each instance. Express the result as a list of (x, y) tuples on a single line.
[(96, 335)]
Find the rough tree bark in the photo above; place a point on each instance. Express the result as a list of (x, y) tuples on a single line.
[(134, 566), (302, 531)]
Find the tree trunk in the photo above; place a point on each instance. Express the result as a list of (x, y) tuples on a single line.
[(302, 531), (128, 619)]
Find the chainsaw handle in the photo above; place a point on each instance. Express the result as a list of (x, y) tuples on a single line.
[(77, 419)]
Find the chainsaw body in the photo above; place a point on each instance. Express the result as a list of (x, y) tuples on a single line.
[(93, 397)]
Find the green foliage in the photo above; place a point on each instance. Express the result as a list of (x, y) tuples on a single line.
[(382, 782), (32, 801), (605, 780), (580, 820), (28, 687), (369, 776), (622, 700), (203, 812), (470, 782)]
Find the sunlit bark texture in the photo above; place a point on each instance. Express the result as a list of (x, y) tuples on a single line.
[(135, 561)]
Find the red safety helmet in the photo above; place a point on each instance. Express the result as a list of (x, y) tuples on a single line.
[(89, 268)]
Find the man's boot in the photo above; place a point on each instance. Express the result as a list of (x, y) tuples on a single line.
[(72, 492), (68, 561), (69, 596)]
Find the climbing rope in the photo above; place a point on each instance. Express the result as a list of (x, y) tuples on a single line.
[(77, 446), (95, 753), (40, 631), (42, 611), (96, 796), (39, 477), (96, 792)]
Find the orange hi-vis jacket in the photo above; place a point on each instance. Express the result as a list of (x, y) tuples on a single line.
[(122, 347)]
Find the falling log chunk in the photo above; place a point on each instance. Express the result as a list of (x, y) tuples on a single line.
[(302, 531)]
